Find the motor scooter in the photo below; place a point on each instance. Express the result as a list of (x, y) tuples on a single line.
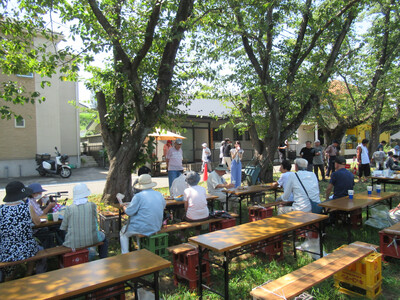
[(58, 167)]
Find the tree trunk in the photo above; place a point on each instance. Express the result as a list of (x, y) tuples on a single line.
[(374, 139), (119, 180)]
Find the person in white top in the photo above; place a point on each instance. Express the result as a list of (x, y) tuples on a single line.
[(205, 157), (216, 183), (293, 186), (236, 166), (195, 199), (282, 181), (221, 152), (363, 160), (174, 161)]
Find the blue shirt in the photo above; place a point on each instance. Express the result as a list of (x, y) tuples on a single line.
[(146, 212), (342, 181)]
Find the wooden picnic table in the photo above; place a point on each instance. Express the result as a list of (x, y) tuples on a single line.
[(47, 223), (238, 240), (86, 278), (244, 191), (345, 205), (384, 180)]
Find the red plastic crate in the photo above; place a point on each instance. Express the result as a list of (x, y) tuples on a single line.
[(301, 233), (388, 246), (116, 292), (224, 223), (259, 213), (186, 267), (74, 258), (273, 251), (356, 219)]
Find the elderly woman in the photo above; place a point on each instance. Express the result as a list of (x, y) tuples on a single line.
[(16, 237), (195, 199), (80, 222), (36, 200)]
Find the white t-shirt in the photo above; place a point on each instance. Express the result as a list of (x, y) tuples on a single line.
[(178, 186), (197, 202), (237, 157), (213, 180), (364, 154), (175, 159), (283, 181)]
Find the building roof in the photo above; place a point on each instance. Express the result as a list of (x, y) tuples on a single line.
[(206, 108)]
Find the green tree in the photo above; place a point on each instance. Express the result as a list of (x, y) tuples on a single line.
[(134, 90), (281, 55), (368, 72)]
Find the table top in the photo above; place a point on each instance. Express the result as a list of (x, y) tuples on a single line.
[(244, 190), (47, 223), (360, 200), (241, 235), (85, 277), (384, 178), (170, 201)]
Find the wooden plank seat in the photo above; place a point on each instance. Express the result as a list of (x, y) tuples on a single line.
[(185, 225), (300, 280), (50, 252), (87, 278)]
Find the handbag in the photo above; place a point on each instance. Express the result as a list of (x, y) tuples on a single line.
[(314, 205)]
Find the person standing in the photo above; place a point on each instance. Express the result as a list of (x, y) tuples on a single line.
[(307, 153), (282, 150), (227, 153), (206, 157), (318, 159), (330, 152), (236, 168), (363, 161), (174, 160), (221, 153), (166, 148)]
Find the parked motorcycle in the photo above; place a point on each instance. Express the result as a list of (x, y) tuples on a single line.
[(58, 167)]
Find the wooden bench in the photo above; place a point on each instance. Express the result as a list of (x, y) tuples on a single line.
[(50, 252), (87, 278), (293, 284)]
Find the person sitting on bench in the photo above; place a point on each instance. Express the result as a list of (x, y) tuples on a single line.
[(216, 183), (80, 222), (304, 187), (195, 199), (16, 236), (145, 212)]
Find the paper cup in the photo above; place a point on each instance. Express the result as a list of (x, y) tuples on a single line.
[(351, 194), (55, 217), (369, 190), (378, 188)]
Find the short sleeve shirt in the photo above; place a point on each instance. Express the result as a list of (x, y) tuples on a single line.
[(308, 154), (175, 159), (213, 180), (342, 181), (196, 197)]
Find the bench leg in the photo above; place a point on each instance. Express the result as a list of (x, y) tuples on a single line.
[(294, 244), (226, 269), (200, 287)]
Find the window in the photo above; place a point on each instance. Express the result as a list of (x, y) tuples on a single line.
[(28, 75), (247, 135), (19, 122), (237, 136), (217, 134)]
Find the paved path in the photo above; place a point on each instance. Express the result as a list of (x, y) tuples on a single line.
[(95, 179)]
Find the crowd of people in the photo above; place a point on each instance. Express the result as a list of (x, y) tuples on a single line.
[(24, 206)]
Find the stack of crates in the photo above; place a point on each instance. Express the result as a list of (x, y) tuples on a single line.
[(110, 225), (186, 266), (74, 258), (389, 244), (362, 278), (224, 223), (355, 218), (301, 233), (259, 213), (157, 244)]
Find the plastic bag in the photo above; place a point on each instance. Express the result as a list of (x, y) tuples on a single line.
[(380, 217), (394, 214)]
